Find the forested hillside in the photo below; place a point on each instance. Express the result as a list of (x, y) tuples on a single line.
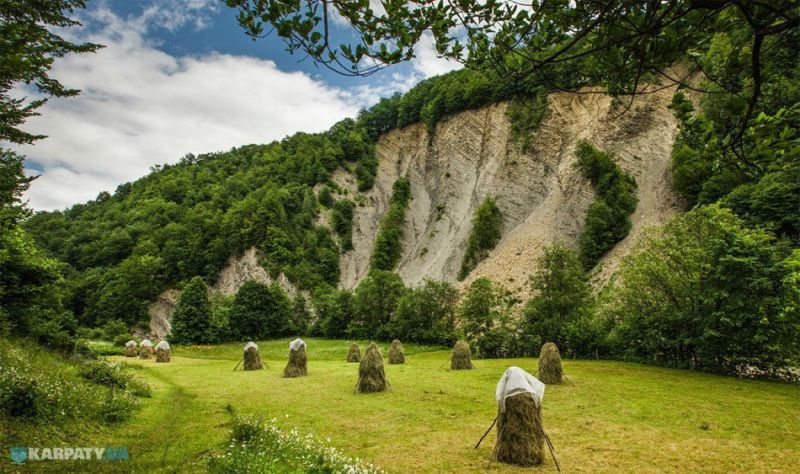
[(735, 164)]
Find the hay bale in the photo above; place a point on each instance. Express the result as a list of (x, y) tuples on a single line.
[(550, 371), (461, 358), (146, 349), (371, 376), (130, 349), (520, 439), (354, 354), (520, 436), (252, 360), (163, 353), (296, 367), (396, 353)]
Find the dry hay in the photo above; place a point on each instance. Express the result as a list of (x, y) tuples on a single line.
[(354, 354), (461, 357), (296, 367), (371, 376), (146, 349), (252, 360), (163, 353), (550, 371), (396, 353), (130, 349), (520, 437)]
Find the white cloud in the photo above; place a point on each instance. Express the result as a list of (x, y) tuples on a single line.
[(140, 106)]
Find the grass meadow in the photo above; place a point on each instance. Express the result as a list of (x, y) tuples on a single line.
[(608, 417)]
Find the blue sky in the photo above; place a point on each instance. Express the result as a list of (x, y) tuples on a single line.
[(177, 77)]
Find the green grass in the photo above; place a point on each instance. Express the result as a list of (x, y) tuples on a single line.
[(610, 417)]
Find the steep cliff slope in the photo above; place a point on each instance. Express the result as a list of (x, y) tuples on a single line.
[(542, 196)]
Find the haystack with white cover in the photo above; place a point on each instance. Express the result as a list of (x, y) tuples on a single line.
[(520, 436), (146, 349), (130, 349), (252, 360), (296, 367), (163, 353)]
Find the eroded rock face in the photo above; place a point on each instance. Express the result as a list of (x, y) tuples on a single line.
[(238, 270), (542, 195), (161, 311)]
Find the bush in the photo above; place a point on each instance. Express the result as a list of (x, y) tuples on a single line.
[(116, 331), (113, 376), (608, 220), (389, 242), (118, 406), (264, 447)]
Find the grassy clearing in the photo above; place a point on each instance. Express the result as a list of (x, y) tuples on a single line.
[(611, 416)]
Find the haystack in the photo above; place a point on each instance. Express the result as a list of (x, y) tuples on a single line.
[(461, 358), (550, 371), (163, 353), (130, 349), (371, 376), (146, 349), (520, 436), (396, 353), (296, 367), (252, 360), (354, 354)]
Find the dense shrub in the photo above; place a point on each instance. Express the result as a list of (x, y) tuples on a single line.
[(113, 376), (36, 383), (389, 242), (260, 311), (256, 446), (487, 228), (191, 321), (608, 220)]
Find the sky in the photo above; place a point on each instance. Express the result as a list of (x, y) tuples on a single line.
[(178, 77)]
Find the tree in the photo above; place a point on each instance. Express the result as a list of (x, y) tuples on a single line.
[(260, 311), (485, 317), (562, 296), (426, 314), (487, 228), (335, 311), (191, 321), (620, 43), (375, 301), (301, 316), (708, 294), (29, 44)]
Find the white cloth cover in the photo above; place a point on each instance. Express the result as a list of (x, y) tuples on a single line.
[(514, 381), (296, 344), (146, 342), (130, 343), (249, 345), (163, 345)]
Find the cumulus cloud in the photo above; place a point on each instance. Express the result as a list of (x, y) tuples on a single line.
[(140, 106)]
